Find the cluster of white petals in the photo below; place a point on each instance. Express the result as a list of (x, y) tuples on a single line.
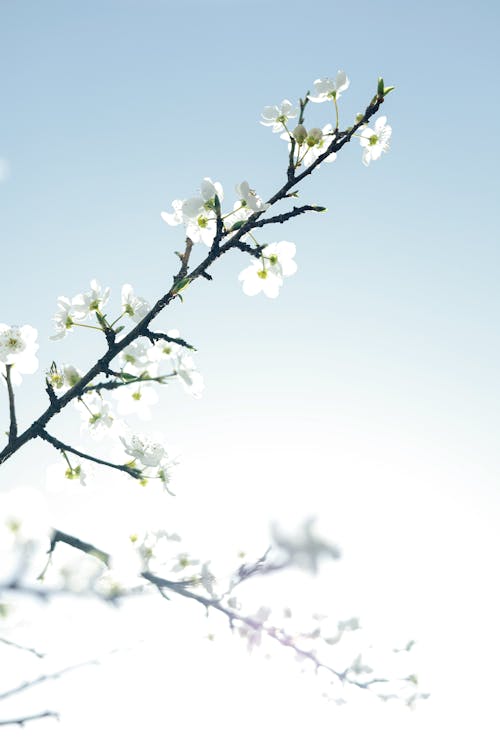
[(73, 311), (198, 214), (163, 359), (266, 274), (18, 348), (150, 455), (135, 307), (375, 141), (312, 144), (91, 302), (249, 198), (96, 415)]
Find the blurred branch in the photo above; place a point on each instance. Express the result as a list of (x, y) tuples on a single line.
[(22, 720)]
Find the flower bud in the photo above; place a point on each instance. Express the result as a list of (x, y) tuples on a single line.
[(314, 136), (300, 134)]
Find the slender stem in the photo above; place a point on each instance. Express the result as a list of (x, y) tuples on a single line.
[(12, 405), (112, 386)]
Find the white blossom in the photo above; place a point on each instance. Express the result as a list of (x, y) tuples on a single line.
[(135, 398), (18, 348), (198, 214), (375, 141), (327, 88), (143, 449), (191, 379), (179, 362), (64, 378), (183, 561), (66, 315), (259, 277), (276, 116), (177, 217), (133, 306), (96, 415), (164, 472), (280, 257), (93, 301), (266, 273), (134, 357), (250, 199)]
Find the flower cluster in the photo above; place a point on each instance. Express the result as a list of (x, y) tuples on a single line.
[(90, 306), (163, 359), (199, 214), (309, 144), (265, 274)]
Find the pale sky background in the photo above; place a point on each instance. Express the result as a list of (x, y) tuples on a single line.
[(366, 394)]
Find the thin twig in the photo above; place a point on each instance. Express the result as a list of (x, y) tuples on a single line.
[(282, 218), (12, 405), (133, 472)]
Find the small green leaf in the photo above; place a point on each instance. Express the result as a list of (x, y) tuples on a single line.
[(380, 87), (127, 376), (237, 225), (180, 286), (388, 90)]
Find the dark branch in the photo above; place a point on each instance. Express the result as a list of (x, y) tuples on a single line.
[(180, 282)]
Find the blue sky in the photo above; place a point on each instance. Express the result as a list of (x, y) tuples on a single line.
[(368, 392)]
